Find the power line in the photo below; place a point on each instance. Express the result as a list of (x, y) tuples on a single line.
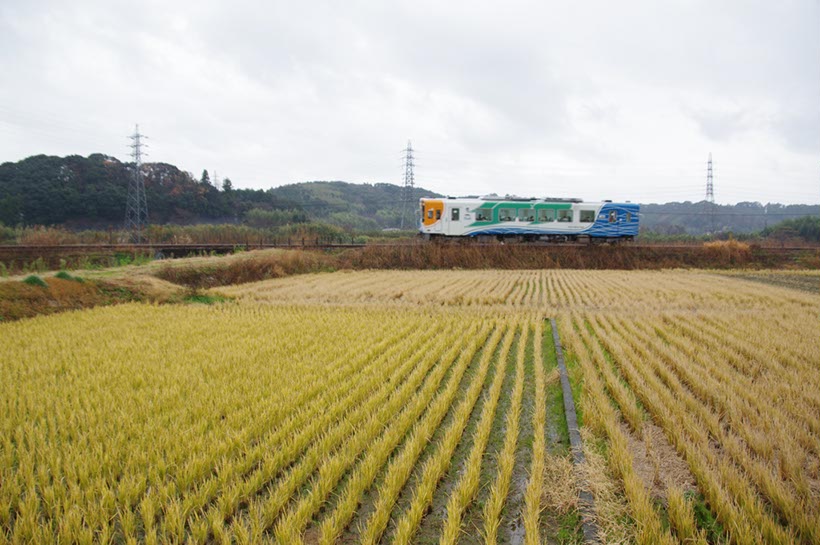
[(727, 214), (136, 208)]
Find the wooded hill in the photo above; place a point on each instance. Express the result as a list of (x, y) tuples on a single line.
[(90, 192)]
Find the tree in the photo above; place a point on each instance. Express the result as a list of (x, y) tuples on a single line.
[(227, 186), (206, 179), (807, 228)]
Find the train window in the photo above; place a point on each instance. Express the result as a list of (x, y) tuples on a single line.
[(628, 217), (565, 215), (526, 214), (613, 216), (429, 214), (546, 215), (438, 214), (587, 216), (482, 214), (454, 214), (506, 214)]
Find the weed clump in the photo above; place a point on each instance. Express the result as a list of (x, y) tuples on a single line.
[(204, 299), (65, 276), (34, 280)]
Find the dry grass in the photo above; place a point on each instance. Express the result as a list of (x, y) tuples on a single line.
[(729, 251), (612, 514), (243, 269), (560, 485), (19, 300)]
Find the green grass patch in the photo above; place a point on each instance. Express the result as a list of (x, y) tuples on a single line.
[(204, 299), (65, 276), (556, 419), (569, 529), (125, 259), (34, 280), (705, 519)]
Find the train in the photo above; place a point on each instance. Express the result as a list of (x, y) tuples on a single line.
[(493, 218)]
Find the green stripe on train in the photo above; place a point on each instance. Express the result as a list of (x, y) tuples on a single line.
[(493, 207)]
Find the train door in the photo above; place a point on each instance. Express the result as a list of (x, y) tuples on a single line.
[(453, 218)]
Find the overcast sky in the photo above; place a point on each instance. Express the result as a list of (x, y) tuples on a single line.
[(621, 100)]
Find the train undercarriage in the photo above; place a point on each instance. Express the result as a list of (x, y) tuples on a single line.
[(545, 240)]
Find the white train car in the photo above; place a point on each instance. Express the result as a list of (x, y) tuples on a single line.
[(528, 219)]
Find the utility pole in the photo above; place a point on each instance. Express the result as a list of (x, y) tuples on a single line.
[(409, 180), (136, 208), (710, 192)]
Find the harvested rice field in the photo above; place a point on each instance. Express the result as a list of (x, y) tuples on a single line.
[(420, 407)]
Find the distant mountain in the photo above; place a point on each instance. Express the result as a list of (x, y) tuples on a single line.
[(698, 218), (90, 192)]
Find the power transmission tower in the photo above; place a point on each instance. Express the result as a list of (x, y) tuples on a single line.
[(136, 208), (710, 192), (409, 180)]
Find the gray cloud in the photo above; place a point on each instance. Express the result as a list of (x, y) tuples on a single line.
[(801, 131), (724, 124)]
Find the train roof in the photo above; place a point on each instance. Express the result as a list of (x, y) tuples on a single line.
[(513, 198)]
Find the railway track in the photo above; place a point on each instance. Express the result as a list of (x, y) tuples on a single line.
[(19, 251), (186, 249)]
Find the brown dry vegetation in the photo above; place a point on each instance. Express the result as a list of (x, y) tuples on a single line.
[(511, 256), (259, 265), (718, 255), (242, 269), (20, 300)]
